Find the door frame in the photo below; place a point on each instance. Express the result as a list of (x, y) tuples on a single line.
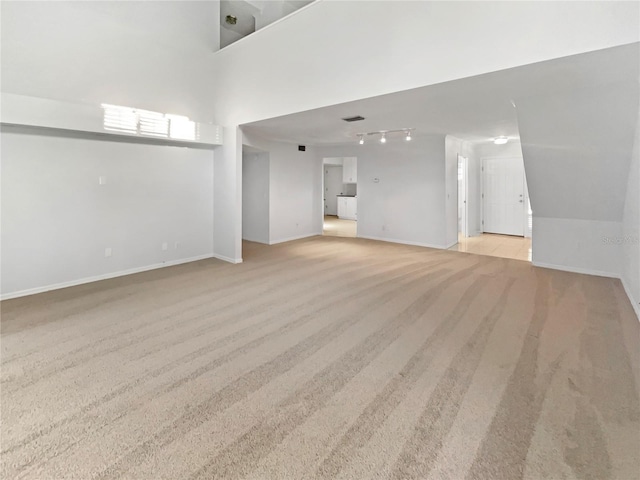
[(465, 182), (325, 161)]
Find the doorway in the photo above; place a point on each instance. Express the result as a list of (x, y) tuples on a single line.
[(463, 225), (505, 216), (255, 195), (339, 197)]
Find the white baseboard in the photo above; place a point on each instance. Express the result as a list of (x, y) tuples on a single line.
[(97, 278), (290, 239), (255, 240), (586, 271), (635, 302), (405, 242), (226, 259)]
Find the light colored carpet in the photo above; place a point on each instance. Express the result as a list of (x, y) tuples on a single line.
[(325, 358)]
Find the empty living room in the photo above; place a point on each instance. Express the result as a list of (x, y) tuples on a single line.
[(171, 309)]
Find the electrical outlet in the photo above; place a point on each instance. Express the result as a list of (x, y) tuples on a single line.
[(165, 246), (176, 245), (107, 252), (102, 180)]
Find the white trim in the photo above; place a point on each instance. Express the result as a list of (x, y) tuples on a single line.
[(224, 258), (586, 271), (106, 276), (290, 239), (635, 304), (405, 242)]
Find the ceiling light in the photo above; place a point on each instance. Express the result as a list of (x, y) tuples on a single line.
[(408, 137), (361, 142), (383, 137), (500, 140)]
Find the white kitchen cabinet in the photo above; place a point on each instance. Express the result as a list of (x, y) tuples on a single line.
[(347, 208), (350, 170), (342, 207)]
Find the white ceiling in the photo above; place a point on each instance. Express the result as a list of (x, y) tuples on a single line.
[(475, 108)]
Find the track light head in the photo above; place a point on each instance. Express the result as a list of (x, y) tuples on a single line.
[(383, 137), (408, 137), (361, 142)]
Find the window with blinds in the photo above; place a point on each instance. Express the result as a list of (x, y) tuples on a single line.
[(120, 119), (145, 122), (152, 123), (181, 128)]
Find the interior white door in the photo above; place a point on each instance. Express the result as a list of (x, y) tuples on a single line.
[(332, 187), (503, 195)]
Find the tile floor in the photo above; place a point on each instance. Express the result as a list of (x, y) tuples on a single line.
[(336, 227), (505, 246)]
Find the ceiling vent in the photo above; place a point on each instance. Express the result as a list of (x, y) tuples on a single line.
[(357, 118)]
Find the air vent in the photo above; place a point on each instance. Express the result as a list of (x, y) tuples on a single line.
[(357, 118)]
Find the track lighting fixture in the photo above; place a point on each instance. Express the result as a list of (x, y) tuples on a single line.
[(383, 134)]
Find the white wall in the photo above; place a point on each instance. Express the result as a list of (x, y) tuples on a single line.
[(57, 220), (577, 150), (408, 201), (576, 146), (227, 194), (584, 246), (511, 149), (255, 197), (153, 55), (631, 228), (302, 65), (295, 195)]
